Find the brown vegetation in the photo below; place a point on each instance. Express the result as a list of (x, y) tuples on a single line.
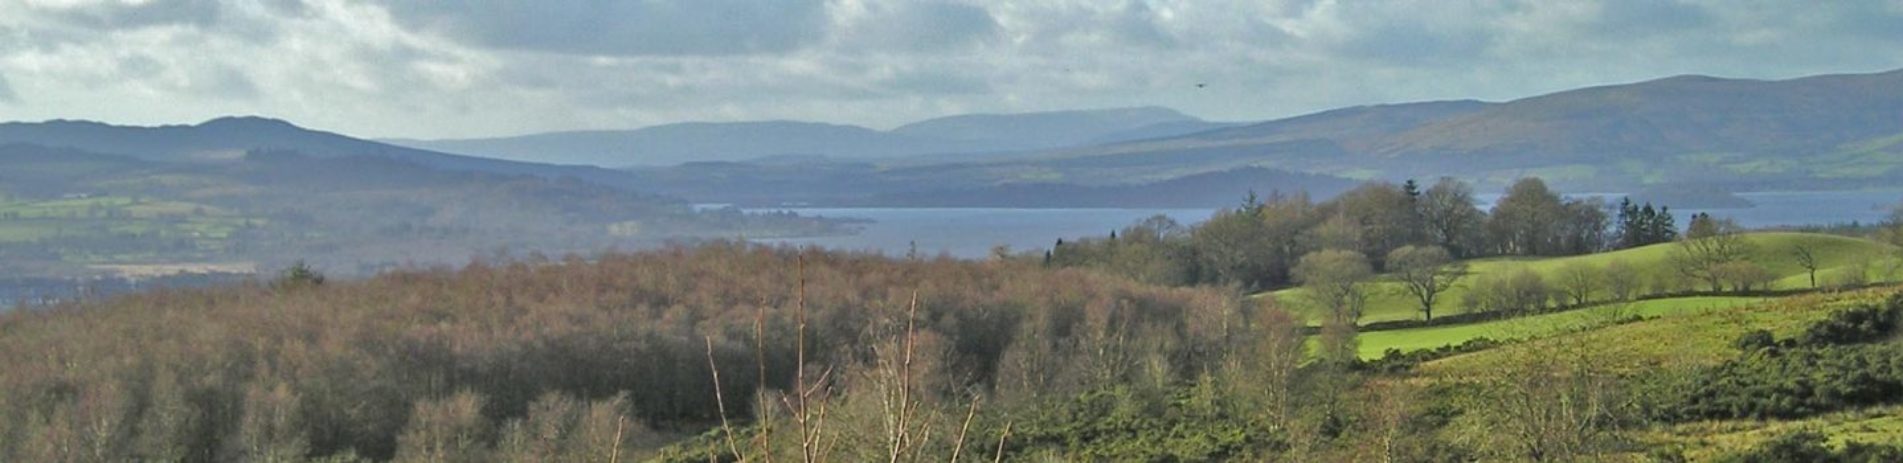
[(578, 358)]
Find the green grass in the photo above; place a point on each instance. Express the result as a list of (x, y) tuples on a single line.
[(1865, 159), (1673, 340), (1706, 440), (1774, 251), (1376, 343), (1683, 336), (16, 231)]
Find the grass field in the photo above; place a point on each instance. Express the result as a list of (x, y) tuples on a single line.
[(1683, 336), (140, 230), (1774, 250), (1708, 440), (1376, 343), (1673, 340)]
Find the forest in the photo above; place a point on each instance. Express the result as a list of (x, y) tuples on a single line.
[(1158, 343)]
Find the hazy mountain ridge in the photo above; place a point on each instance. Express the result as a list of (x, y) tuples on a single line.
[(230, 138), (77, 198), (1797, 133), (673, 144)]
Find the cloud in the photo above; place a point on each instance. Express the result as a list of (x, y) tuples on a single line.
[(624, 27), (114, 15), (6, 91), (467, 68), (912, 26)]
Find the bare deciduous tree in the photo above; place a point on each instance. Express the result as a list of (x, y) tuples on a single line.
[(1807, 258), (1425, 272), (1336, 279), (1623, 281), (1578, 281), (1708, 244)]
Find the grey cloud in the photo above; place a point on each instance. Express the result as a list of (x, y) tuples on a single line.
[(1635, 18), (936, 82), (1407, 43), (120, 16), (923, 26), (6, 91), (1135, 23), (1416, 34), (624, 27), (1130, 23)]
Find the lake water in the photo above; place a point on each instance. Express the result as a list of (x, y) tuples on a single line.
[(971, 232)]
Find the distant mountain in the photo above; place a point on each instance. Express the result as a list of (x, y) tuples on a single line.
[(231, 138), (1045, 130), (695, 142), (674, 144), (71, 213), (1832, 131)]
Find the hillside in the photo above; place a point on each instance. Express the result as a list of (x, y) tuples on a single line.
[(1836, 255), (1666, 346), (566, 359), (1819, 132), (68, 213), (230, 138), (1045, 130), (672, 144)]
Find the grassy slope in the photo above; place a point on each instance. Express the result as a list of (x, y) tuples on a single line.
[(1772, 250), (1692, 337), (1374, 344), (1707, 440), (1685, 340)]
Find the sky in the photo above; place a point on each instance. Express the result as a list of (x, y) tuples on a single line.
[(462, 69)]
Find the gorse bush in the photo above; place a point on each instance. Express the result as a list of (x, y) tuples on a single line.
[(1857, 325), (1789, 384), (1812, 447), (1831, 366), (557, 359)]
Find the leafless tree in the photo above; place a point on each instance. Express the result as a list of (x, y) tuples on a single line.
[(1425, 272)]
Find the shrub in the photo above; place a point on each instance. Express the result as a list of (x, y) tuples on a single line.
[(1856, 325), (1812, 447), (1755, 340), (1831, 366)]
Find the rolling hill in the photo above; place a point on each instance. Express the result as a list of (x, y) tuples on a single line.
[(81, 198), (230, 138), (672, 144), (1821, 132), (1836, 255)]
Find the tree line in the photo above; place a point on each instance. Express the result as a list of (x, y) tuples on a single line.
[(1259, 244)]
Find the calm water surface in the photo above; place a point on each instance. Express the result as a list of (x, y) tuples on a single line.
[(972, 232)]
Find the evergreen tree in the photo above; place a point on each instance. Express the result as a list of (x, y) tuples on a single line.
[(1667, 231), (1631, 231)]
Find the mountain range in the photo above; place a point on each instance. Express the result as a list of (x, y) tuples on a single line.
[(230, 138), (740, 141), (1820, 132)]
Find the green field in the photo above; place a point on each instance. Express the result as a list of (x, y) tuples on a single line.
[(1675, 340), (1682, 337), (1773, 250), (135, 229), (1376, 343)]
